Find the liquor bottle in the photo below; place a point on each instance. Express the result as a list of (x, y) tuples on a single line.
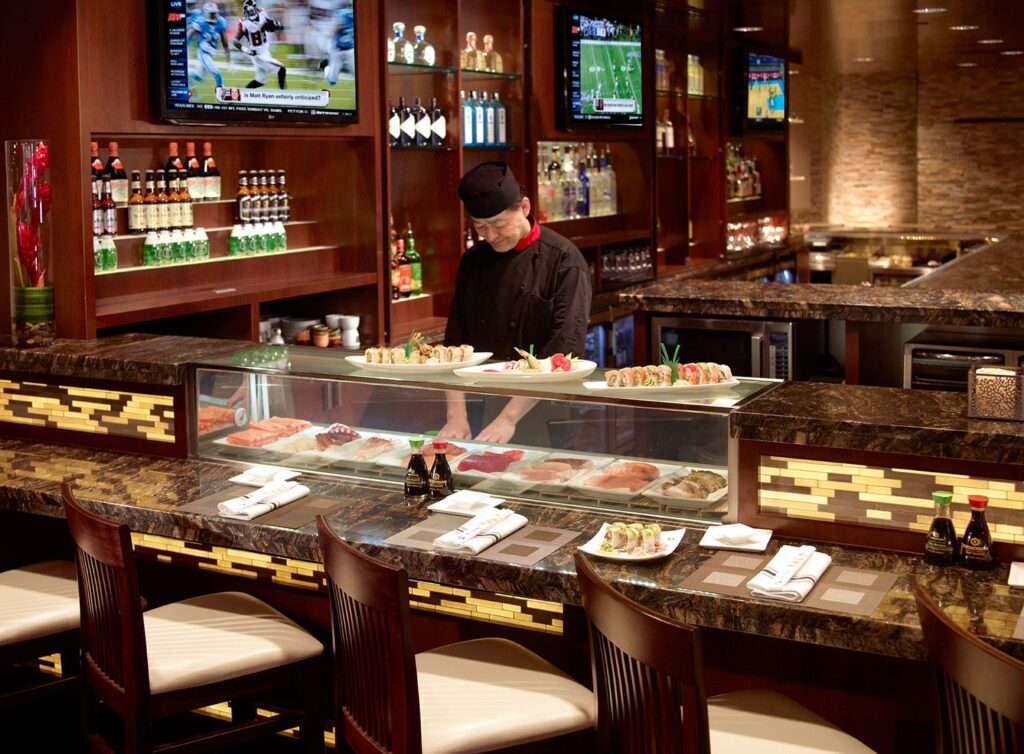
[(611, 190), (396, 271), (583, 202), (404, 52), (97, 210), (211, 175), (185, 200), (95, 163), (404, 270), (422, 120), (470, 58), (417, 477), (407, 137), (479, 120), (492, 60), (390, 45), (467, 120), (136, 207), (441, 482), (173, 201), (490, 137), (109, 210), (670, 134), (976, 545), (691, 142), (273, 198), (173, 160), (438, 124), (554, 200), (284, 200), (941, 545), (114, 170), (415, 263), (500, 120), (149, 206), (196, 183), (423, 53), (243, 199), (394, 125)]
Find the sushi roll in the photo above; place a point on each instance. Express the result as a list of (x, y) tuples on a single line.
[(636, 376), (714, 372), (664, 374), (653, 531), (648, 539), (613, 378), (650, 376), (633, 536), (372, 356), (616, 534), (398, 355), (690, 374), (726, 373), (454, 353), (467, 352), (385, 356)]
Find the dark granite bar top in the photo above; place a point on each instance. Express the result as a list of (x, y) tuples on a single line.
[(890, 420), (148, 359), (983, 288), (147, 493)]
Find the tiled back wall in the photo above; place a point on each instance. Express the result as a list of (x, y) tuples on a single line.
[(884, 149)]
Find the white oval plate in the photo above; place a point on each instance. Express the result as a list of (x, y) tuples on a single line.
[(489, 373), (669, 542), (600, 386), (360, 361)]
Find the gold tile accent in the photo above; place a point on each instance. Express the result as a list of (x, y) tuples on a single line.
[(885, 515)]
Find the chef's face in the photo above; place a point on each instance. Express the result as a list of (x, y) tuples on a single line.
[(505, 230)]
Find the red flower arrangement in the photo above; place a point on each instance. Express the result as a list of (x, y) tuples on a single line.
[(32, 200)]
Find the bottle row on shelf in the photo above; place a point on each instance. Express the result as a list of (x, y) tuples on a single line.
[(262, 197), (422, 52), (406, 264), (574, 181), (665, 136), (160, 248), (742, 175), (202, 176), (665, 68), (415, 125), (745, 235), (484, 120)]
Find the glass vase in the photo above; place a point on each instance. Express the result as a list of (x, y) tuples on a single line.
[(28, 209)]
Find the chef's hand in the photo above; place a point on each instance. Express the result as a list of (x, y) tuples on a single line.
[(500, 431), (455, 429)]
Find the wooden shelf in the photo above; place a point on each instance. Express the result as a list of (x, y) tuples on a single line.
[(426, 325), (139, 307), (213, 260)]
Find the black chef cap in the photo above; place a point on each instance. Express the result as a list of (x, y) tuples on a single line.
[(488, 189)]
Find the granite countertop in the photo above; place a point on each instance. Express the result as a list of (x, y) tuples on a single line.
[(147, 493), (882, 419), (984, 288), (148, 359)]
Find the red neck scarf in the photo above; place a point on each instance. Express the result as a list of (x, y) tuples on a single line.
[(530, 237)]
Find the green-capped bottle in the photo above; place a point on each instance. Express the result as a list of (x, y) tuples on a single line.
[(417, 477), (415, 262), (940, 547)]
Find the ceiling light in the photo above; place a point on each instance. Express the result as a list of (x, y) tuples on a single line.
[(966, 65), (1012, 52), (863, 60), (929, 10), (747, 29), (963, 28), (990, 41)]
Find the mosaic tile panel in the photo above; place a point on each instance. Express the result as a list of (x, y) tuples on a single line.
[(96, 411), (885, 497), (473, 604)]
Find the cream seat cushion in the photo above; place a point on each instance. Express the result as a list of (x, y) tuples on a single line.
[(38, 600), (769, 723), (216, 637), (486, 694)]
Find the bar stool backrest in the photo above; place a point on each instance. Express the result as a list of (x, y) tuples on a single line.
[(376, 691), (980, 689), (112, 634), (648, 674)]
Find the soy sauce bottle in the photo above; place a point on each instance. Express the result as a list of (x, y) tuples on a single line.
[(976, 545), (417, 478), (442, 481), (940, 548)]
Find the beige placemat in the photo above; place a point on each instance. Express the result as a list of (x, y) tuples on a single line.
[(840, 589), (292, 516), (524, 547)]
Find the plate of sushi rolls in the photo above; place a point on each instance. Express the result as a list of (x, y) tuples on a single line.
[(420, 358), (633, 541), (529, 368), (650, 378)]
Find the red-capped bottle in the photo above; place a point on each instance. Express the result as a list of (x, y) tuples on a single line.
[(442, 481), (976, 545)]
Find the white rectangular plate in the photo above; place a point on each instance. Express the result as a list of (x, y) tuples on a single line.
[(694, 503), (465, 503), (579, 483), (396, 369), (257, 476), (528, 457), (669, 542), (600, 386), (494, 373), (759, 543)]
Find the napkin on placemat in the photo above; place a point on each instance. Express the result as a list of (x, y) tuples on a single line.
[(791, 574), (481, 531), (263, 500)]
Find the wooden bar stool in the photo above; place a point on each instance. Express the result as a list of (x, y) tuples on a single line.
[(471, 696), (39, 617), (145, 666), (648, 679), (980, 690)]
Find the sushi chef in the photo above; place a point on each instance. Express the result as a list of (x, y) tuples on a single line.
[(521, 285)]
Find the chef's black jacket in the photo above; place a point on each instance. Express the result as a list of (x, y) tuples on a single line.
[(540, 296)]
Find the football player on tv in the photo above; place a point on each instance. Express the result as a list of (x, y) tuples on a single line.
[(209, 29), (252, 39), (342, 57)]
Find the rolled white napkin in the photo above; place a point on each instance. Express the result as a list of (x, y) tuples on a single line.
[(236, 509), (791, 574), (481, 531)]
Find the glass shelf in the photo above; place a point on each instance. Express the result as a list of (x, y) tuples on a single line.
[(669, 93), (480, 147), (671, 156), (737, 199), (410, 68), (442, 148), (702, 96), (216, 229), (473, 73)]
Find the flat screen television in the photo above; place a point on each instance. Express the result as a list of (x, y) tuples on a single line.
[(765, 92), (236, 61), (602, 70)]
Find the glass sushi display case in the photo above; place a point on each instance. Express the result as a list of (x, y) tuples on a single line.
[(564, 437)]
